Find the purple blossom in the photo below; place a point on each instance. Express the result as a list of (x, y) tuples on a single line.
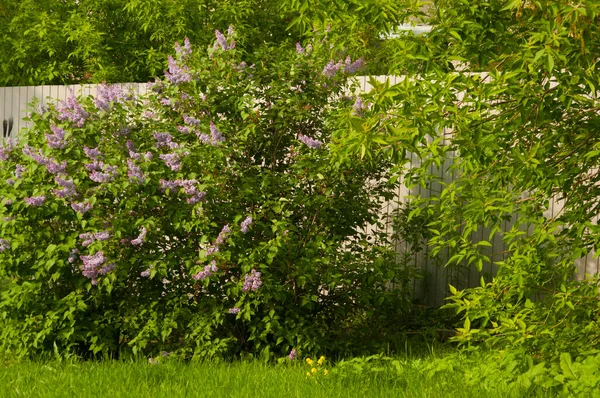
[(103, 235), (222, 235), (69, 189), (71, 110), (222, 40), (92, 265), (184, 129), (92, 153), (5, 150), (165, 101), (10, 182), (351, 67), (177, 74), (203, 137), (358, 107), (148, 155), (234, 310), (252, 281), (132, 152), (246, 224), (185, 51), (172, 160), (73, 256), (207, 272), (51, 165), (170, 185), (20, 170), (81, 208), (311, 143), (331, 68), (56, 140), (196, 198), (106, 95), (293, 354), (108, 173), (164, 139), (35, 200), (135, 172), (215, 135), (212, 250), (8, 202), (56, 168), (146, 273), (299, 48), (96, 165), (191, 120), (140, 239), (106, 269), (4, 244), (88, 239)]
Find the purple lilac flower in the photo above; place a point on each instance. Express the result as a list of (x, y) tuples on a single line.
[(230, 30), (146, 273), (222, 235), (204, 137), (186, 50), (108, 172), (35, 200), (20, 170), (103, 235), (56, 140), (91, 265), (124, 130), (92, 153), (81, 208), (5, 150), (8, 202), (222, 40), (311, 143), (234, 310), (140, 239), (132, 152), (10, 182), (73, 256), (331, 68), (96, 165), (177, 74), (135, 172), (56, 168), (293, 354), (100, 177), (148, 155), (107, 95), (172, 160), (106, 269), (71, 110), (69, 190), (358, 107), (207, 272), (215, 135), (252, 281), (299, 48), (184, 129), (4, 244), (170, 185), (191, 120), (212, 250), (246, 224), (88, 239), (165, 101), (51, 165), (196, 198), (164, 139), (351, 67)]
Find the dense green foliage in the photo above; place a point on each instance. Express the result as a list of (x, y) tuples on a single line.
[(206, 218), (509, 88), (94, 41)]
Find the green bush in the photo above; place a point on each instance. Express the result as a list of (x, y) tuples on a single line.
[(205, 218)]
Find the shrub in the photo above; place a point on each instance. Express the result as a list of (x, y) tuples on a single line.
[(205, 218)]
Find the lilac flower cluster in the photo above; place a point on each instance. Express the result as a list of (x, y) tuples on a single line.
[(71, 110), (165, 101), (20, 170), (348, 66), (215, 135), (234, 310), (311, 143), (92, 266), (56, 140), (293, 354), (51, 165), (351, 67), (177, 73), (192, 121), (135, 172), (107, 95), (165, 139), (245, 224), (101, 172), (185, 51), (252, 281), (68, 188), (184, 129), (189, 186), (331, 68), (358, 107), (92, 153), (172, 160), (4, 244), (222, 40), (219, 241), (207, 272), (141, 237), (81, 208), (146, 272), (90, 237), (5, 150), (35, 200), (299, 48), (73, 255), (132, 152)]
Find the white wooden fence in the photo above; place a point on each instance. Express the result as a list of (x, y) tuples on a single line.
[(431, 290)]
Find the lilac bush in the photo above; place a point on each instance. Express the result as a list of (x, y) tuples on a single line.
[(136, 224)]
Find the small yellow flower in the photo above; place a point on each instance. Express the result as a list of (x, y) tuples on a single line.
[(309, 361), (325, 372), (314, 370), (308, 374), (321, 360)]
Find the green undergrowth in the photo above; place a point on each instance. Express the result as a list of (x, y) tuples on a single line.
[(444, 372)]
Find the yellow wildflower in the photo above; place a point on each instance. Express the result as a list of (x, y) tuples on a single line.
[(308, 374), (325, 372), (314, 370), (309, 361), (321, 360)]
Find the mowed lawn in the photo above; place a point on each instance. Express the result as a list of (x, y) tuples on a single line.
[(407, 378)]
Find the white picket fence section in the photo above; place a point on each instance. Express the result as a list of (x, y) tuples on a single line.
[(432, 289)]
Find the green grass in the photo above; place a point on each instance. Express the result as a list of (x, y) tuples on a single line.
[(407, 378)]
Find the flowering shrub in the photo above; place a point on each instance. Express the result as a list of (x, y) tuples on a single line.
[(205, 218)]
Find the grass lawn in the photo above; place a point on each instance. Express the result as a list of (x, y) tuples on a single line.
[(404, 378)]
